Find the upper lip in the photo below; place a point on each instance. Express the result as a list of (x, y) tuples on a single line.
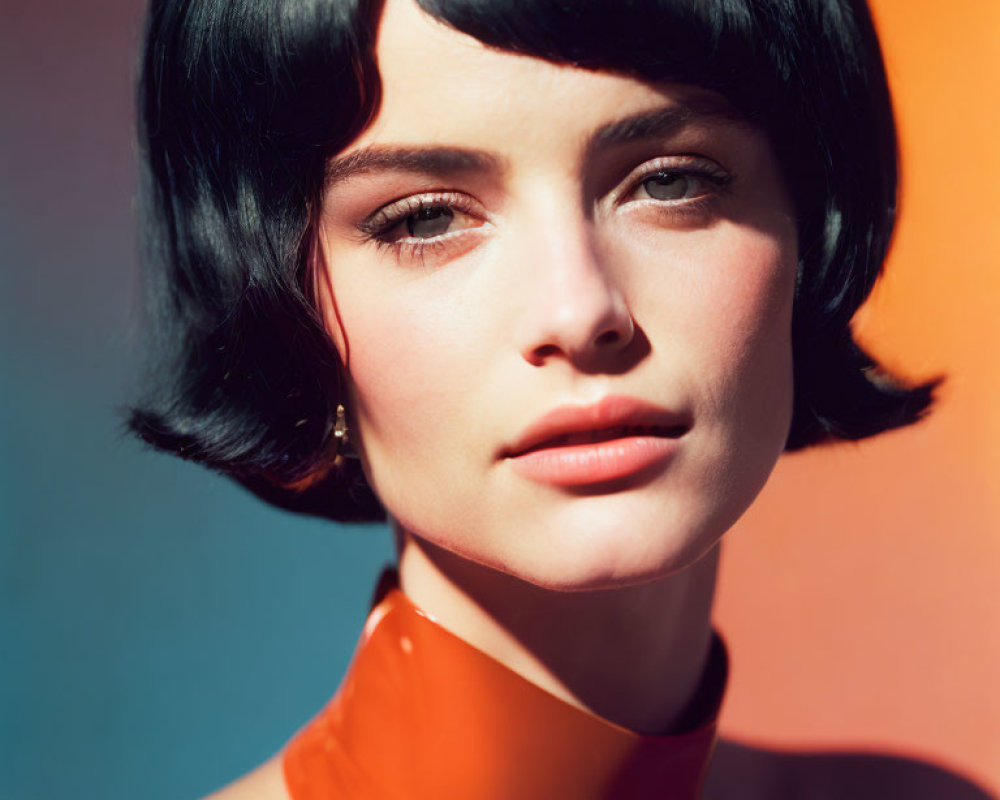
[(610, 413)]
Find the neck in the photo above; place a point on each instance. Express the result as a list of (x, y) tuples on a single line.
[(634, 655)]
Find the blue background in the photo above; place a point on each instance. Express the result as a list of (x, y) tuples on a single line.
[(161, 631)]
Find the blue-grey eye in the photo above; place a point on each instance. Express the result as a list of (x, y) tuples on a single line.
[(429, 222), (666, 185)]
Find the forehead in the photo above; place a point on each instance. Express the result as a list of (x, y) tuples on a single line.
[(443, 86)]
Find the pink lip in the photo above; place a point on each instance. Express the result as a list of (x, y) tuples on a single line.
[(615, 438)]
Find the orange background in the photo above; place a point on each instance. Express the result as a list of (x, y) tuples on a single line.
[(861, 594)]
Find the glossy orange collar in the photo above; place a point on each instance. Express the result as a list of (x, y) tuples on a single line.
[(423, 715)]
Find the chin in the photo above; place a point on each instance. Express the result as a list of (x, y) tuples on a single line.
[(613, 555)]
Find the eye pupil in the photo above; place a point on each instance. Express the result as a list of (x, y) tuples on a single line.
[(428, 222), (667, 186)]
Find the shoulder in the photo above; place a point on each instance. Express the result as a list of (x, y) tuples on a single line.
[(267, 782)]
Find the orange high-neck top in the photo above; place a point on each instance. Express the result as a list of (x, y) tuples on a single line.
[(423, 715)]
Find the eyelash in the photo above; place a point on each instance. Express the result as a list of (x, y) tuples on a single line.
[(376, 228), (696, 167)]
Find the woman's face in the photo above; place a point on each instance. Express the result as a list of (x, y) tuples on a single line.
[(563, 299)]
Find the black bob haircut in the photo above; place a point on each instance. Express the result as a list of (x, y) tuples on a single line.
[(242, 103)]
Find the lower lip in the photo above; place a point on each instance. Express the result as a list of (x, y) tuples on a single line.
[(597, 462)]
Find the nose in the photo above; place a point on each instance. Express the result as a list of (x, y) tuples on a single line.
[(576, 309)]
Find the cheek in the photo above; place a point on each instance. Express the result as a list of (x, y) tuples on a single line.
[(397, 369), (748, 317), (746, 331), (722, 308), (411, 376)]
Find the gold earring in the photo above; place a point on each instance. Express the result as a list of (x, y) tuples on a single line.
[(340, 431), (337, 450), (342, 439)]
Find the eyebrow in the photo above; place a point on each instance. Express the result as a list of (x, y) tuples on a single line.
[(433, 160), (446, 161), (662, 123)]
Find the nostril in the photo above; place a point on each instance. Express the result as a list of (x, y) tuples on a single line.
[(544, 352), (606, 338)]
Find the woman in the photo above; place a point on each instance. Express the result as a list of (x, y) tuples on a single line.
[(551, 284)]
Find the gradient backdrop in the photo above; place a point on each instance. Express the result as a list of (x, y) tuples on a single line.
[(161, 631)]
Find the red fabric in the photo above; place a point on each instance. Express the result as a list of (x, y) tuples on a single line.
[(421, 714)]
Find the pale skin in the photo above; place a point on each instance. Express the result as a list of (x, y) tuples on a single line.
[(595, 236)]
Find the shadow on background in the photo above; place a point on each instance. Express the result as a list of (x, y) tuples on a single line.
[(751, 773)]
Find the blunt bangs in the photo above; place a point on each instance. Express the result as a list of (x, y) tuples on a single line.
[(242, 104)]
